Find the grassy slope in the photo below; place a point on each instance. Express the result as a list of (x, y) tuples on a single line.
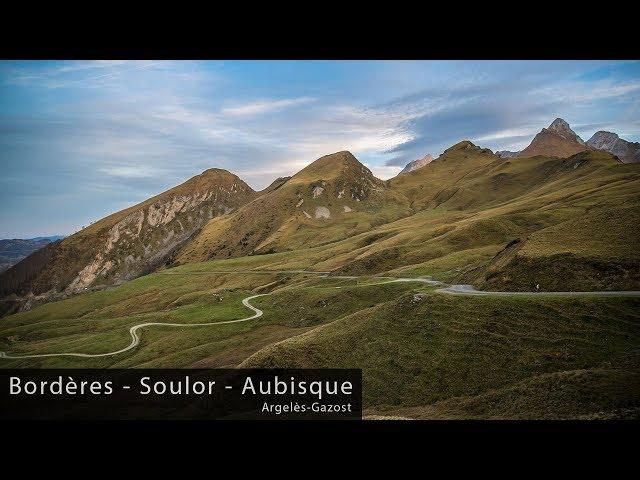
[(489, 202), (443, 356), (454, 217), (99, 322), (554, 206), (434, 356)]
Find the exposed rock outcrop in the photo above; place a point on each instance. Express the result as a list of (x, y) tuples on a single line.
[(507, 154), (416, 164), (627, 152)]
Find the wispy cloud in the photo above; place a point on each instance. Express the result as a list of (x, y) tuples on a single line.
[(135, 171), (587, 91), (265, 106), (74, 73)]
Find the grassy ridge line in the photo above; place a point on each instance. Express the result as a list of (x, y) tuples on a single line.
[(546, 203)]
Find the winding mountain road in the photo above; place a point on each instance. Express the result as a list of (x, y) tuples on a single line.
[(451, 289), (135, 338)]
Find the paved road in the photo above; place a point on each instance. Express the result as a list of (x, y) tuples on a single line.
[(451, 289), (135, 338), (470, 290)]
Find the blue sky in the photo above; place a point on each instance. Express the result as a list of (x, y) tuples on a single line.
[(82, 139)]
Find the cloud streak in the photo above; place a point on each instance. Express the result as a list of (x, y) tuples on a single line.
[(265, 106)]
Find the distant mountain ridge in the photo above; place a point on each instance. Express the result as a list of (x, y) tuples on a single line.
[(507, 154), (559, 140), (15, 249), (627, 152), (416, 164), (51, 238)]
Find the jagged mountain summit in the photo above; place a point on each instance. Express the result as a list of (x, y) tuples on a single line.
[(558, 140), (562, 128), (416, 164), (128, 243), (627, 152)]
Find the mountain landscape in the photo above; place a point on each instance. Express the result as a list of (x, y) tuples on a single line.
[(557, 140), (14, 250), (372, 274), (627, 152), (125, 244), (333, 198), (416, 164)]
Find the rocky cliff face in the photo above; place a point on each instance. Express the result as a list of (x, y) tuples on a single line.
[(142, 240), (129, 243), (627, 152), (416, 164)]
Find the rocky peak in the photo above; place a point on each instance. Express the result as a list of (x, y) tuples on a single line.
[(603, 138), (463, 145), (338, 175), (507, 154), (610, 142), (557, 140), (343, 158), (559, 125), (217, 173), (336, 165), (562, 128), (416, 164)]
